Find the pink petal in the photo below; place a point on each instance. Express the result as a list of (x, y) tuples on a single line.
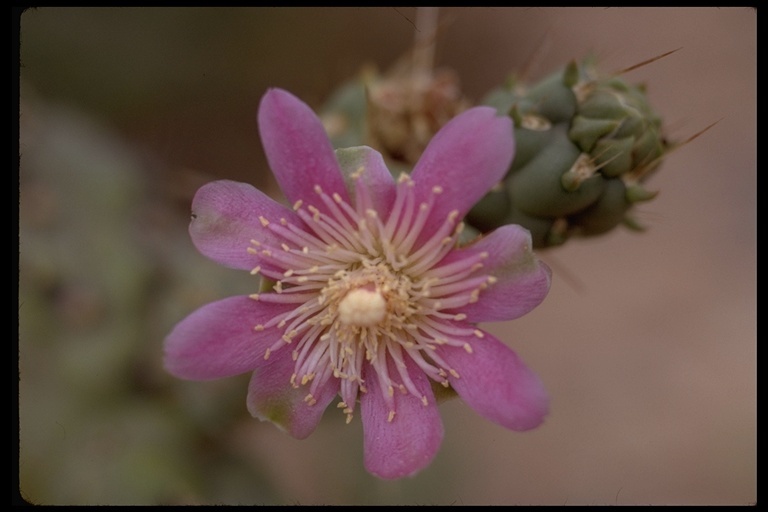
[(225, 218), (375, 177), (468, 156), (298, 149), (218, 340), (271, 397), (523, 280), (411, 440), (496, 383)]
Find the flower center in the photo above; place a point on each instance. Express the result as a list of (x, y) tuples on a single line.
[(363, 308), (368, 293)]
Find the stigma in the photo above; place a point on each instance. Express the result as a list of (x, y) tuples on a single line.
[(362, 307)]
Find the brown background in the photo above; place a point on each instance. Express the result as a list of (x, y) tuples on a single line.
[(647, 343)]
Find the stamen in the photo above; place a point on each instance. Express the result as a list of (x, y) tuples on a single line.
[(362, 289)]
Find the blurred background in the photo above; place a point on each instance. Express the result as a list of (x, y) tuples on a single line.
[(646, 342)]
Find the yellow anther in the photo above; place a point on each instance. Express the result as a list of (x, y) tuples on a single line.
[(254, 296), (264, 222)]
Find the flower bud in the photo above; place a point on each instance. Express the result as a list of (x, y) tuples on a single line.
[(584, 145)]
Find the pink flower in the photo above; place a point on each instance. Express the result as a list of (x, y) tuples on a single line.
[(372, 299)]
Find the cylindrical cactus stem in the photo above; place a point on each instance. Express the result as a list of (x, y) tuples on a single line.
[(584, 144)]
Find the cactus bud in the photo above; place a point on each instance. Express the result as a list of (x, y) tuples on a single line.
[(584, 145)]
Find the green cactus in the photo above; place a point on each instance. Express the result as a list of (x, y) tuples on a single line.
[(585, 145)]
